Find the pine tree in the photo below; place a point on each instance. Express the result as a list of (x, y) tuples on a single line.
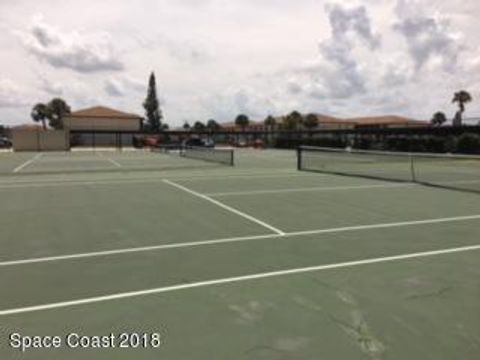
[(152, 106)]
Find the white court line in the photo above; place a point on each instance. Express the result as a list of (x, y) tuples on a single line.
[(237, 239), (237, 279), (253, 175), (26, 163), (226, 207), (79, 182), (326, 188), (193, 177), (108, 159)]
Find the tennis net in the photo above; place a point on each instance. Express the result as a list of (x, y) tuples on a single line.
[(461, 172), (219, 156), (168, 158)]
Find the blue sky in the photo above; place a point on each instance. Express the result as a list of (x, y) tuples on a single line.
[(217, 58)]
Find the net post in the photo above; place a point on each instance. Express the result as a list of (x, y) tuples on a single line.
[(232, 157), (412, 168), (299, 158)]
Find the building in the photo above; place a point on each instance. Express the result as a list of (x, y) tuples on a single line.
[(252, 126), (102, 126), (385, 122), (326, 122), (100, 118), (32, 137)]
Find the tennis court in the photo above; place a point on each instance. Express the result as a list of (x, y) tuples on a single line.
[(252, 261)]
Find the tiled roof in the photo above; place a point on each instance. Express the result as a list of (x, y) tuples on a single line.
[(103, 112), (384, 120), (332, 120), (324, 119), (359, 121)]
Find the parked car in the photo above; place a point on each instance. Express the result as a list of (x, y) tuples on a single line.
[(5, 142), (241, 143), (151, 141), (259, 144), (197, 142)]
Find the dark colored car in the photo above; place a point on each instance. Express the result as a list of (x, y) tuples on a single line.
[(197, 142), (5, 143)]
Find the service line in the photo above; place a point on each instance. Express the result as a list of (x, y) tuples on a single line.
[(26, 163), (236, 239), (236, 279)]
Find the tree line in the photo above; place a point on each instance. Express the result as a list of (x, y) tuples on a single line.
[(293, 121), (56, 109)]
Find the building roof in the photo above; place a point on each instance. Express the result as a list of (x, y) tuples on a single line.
[(357, 121), (325, 119), (232, 125), (103, 112), (27, 127), (385, 120)]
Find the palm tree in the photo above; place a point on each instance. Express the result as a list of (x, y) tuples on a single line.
[(57, 109), (293, 120), (270, 122), (461, 97), (438, 118), (311, 121), (242, 121), (212, 125), (199, 126), (40, 113), (298, 118)]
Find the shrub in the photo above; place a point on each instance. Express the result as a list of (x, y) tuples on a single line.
[(468, 144)]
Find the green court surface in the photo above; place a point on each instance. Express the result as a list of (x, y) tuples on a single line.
[(256, 261)]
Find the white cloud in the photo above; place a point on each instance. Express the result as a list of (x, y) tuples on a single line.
[(216, 58), (188, 50), (121, 86), (226, 105), (81, 52), (114, 87), (11, 95), (51, 87), (347, 22), (429, 38), (397, 70), (338, 73)]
